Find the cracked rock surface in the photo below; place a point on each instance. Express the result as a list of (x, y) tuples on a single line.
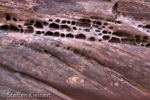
[(75, 49)]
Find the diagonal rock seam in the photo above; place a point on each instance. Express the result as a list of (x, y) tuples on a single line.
[(57, 57), (34, 79)]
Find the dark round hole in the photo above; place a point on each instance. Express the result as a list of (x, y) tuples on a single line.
[(21, 30), (38, 32), (80, 36), (137, 36), (53, 25), (31, 21), (86, 30), (14, 19), (100, 28), (73, 23), (118, 22), (109, 32), (97, 30), (105, 24), (68, 22), (139, 25), (68, 48), (63, 22), (62, 35), (98, 23), (49, 33), (111, 27), (56, 34), (69, 35), (7, 17), (106, 37), (74, 28), (99, 33), (138, 41), (105, 32), (83, 20), (38, 25), (88, 21), (19, 26), (45, 23), (57, 20), (145, 37), (100, 40), (50, 20), (92, 39)]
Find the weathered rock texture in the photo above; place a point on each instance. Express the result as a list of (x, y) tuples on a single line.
[(75, 49)]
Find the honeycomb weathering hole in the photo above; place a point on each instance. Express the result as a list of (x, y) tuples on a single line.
[(38, 32), (114, 40), (138, 41), (65, 27), (32, 21), (14, 29), (105, 32), (50, 20), (69, 35), (68, 22), (92, 39), (80, 36), (30, 29), (49, 33), (86, 30), (56, 34), (38, 25), (14, 19), (121, 34), (8, 17), (4, 27), (74, 28), (148, 45), (63, 22), (62, 35), (73, 23), (57, 20), (145, 37), (144, 41), (21, 30), (148, 26), (53, 25), (106, 37)]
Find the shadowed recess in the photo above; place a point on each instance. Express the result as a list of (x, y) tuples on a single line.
[(38, 25), (4, 27), (80, 36), (53, 25), (69, 35)]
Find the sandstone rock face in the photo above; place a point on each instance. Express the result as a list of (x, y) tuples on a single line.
[(75, 49)]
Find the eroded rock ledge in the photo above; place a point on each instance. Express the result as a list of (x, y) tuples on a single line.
[(76, 49)]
